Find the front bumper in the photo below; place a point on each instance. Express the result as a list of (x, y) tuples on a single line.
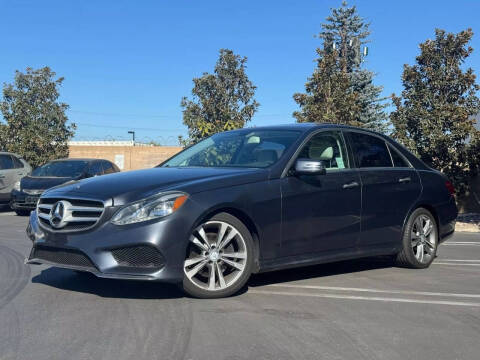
[(22, 201), (144, 251)]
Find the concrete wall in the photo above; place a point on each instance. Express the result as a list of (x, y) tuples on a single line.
[(132, 157)]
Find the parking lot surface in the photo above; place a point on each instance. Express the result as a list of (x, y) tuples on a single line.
[(362, 309)]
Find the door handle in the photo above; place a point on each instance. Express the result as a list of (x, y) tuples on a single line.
[(404, 180), (350, 185), (2, 176)]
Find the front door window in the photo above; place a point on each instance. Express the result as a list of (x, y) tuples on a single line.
[(328, 147)]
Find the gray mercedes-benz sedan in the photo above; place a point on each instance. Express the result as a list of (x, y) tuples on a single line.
[(248, 201)]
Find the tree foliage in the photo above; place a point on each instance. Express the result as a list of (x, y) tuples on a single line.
[(348, 31), (35, 121), (434, 115), (329, 98), (343, 36), (222, 100)]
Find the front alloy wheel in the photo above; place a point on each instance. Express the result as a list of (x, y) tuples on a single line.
[(218, 260)]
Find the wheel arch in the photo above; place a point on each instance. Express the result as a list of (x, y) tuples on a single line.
[(425, 206)]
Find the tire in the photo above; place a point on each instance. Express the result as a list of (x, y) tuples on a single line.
[(222, 245), (22, 212), (419, 245)]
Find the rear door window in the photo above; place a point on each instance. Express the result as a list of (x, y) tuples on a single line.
[(107, 167), (17, 163), (96, 168), (398, 160), (370, 151)]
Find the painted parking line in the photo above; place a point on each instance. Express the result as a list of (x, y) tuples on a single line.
[(366, 298), (462, 243), (381, 291), (454, 264), (457, 260), (7, 213)]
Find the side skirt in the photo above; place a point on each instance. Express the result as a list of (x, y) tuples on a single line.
[(324, 258)]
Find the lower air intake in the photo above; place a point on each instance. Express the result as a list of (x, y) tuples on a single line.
[(62, 257), (138, 256)]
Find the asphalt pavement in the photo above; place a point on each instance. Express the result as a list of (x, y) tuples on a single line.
[(363, 309)]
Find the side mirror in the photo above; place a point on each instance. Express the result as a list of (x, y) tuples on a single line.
[(310, 167)]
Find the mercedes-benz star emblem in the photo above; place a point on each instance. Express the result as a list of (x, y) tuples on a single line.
[(57, 214)]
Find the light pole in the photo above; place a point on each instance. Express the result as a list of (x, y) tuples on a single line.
[(133, 136)]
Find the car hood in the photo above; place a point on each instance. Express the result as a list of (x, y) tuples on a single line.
[(42, 182), (122, 188)]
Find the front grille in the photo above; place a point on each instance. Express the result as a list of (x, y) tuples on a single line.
[(138, 256), (77, 215), (30, 201), (62, 256)]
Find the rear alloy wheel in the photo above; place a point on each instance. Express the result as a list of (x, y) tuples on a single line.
[(420, 240), (219, 258)]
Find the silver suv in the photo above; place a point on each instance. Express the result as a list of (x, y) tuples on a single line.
[(12, 169)]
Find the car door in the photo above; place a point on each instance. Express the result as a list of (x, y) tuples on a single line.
[(321, 213), (7, 176), (390, 186)]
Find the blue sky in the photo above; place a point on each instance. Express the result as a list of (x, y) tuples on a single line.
[(128, 63)]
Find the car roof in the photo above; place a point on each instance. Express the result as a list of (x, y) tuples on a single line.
[(304, 127), (78, 159)]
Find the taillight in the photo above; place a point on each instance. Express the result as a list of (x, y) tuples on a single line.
[(450, 187)]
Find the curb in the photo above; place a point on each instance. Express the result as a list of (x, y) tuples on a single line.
[(467, 227)]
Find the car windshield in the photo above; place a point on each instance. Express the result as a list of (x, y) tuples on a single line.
[(67, 168), (256, 148)]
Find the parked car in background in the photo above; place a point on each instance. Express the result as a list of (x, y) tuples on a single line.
[(248, 201), (12, 168), (26, 191)]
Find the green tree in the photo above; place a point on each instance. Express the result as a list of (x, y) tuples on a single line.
[(221, 101), (35, 121), (344, 34), (329, 97), (434, 114)]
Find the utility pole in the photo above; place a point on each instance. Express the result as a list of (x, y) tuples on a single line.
[(133, 136)]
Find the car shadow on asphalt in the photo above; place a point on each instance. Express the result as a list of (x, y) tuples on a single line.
[(70, 280), (5, 208), (319, 271)]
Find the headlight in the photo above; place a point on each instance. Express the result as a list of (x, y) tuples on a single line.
[(17, 186), (150, 208)]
